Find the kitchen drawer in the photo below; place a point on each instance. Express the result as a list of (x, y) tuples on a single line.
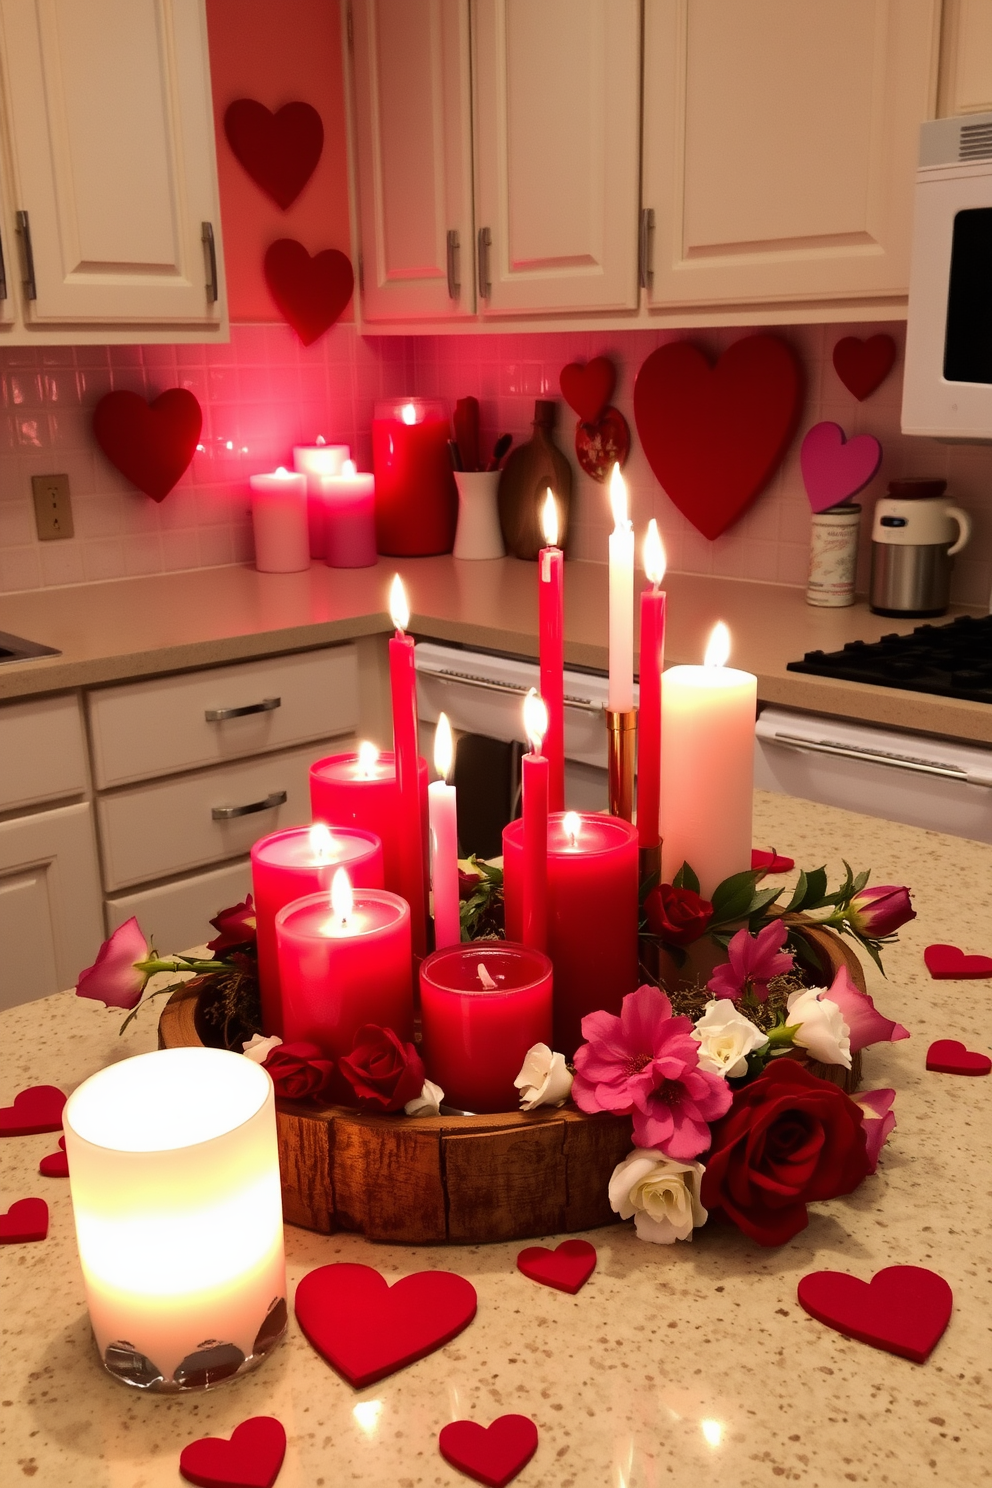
[(177, 915), (168, 827), (162, 726), (42, 753)]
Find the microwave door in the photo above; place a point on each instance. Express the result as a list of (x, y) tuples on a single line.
[(968, 334)]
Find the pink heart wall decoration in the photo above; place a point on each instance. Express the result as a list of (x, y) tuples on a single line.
[(834, 468)]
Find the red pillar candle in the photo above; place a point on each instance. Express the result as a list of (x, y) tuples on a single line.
[(411, 822), (482, 1007), (359, 790), (592, 913), (652, 662), (286, 866), (416, 502), (344, 961), (551, 625), (533, 930)]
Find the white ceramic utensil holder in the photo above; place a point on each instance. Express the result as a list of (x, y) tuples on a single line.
[(478, 534)]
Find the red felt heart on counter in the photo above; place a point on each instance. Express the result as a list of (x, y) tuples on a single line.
[(835, 468), (770, 862), (152, 444), (950, 1057), (588, 389), (366, 1329), (251, 1459), (568, 1267), (947, 962), (714, 436), (862, 366), (903, 1309), (491, 1454), (26, 1219), (56, 1164), (279, 150), (37, 1109), (309, 292)]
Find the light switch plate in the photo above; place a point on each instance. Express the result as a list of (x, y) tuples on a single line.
[(52, 508)]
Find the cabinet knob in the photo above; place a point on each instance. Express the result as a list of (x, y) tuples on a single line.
[(454, 283), (24, 228), (485, 243), (228, 813)]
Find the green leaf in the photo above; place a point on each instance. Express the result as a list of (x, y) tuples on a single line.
[(686, 879), (760, 902), (860, 882), (798, 894), (732, 898), (816, 887), (651, 882)]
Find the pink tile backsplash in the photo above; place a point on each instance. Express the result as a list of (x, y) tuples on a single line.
[(263, 393)]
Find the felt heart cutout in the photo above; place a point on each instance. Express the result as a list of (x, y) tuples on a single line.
[(491, 1454), (310, 293), (770, 862), (26, 1219), (950, 1057), (714, 436), (903, 1309), (588, 389), (37, 1109), (568, 1267), (366, 1329), (862, 366), (947, 962), (251, 1459), (835, 468), (278, 150), (152, 444), (55, 1164)]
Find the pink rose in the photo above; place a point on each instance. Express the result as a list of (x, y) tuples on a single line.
[(880, 911), (115, 977)]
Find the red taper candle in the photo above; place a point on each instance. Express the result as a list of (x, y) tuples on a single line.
[(551, 625), (535, 774), (652, 661), (411, 835)]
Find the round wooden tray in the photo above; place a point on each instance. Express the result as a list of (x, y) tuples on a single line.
[(458, 1179)]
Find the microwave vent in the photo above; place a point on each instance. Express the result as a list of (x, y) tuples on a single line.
[(975, 141)]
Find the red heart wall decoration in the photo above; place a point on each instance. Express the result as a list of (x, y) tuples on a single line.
[(152, 444), (834, 467), (37, 1109), (25, 1220), (251, 1459), (567, 1268), (279, 150), (714, 436), (903, 1309), (588, 389), (491, 1454), (862, 366), (310, 293), (948, 963)]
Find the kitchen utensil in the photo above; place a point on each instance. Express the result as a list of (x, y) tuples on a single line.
[(914, 537), (499, 450), (466, 422)]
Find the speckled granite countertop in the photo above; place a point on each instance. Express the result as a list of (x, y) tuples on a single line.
[(686, 1365)]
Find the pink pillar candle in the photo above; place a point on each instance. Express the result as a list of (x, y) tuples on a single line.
[(314, 461), (551, 626), (349, 518), (652, 664), (288, 865), (279, 522), (477, 1025), (411, 824), (592, 913), (359, 790)]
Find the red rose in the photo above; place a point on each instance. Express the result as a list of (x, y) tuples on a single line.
[(235, 927), (299, 1071), (679, 916), (383, 1072), (789, 1138)]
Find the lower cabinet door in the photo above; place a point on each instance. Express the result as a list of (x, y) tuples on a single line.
[(177, 915), (51, 915)]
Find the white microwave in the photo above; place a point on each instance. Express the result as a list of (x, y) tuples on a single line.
[(947, 385)]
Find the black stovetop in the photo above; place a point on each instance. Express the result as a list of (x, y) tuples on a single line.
[(952, 660)]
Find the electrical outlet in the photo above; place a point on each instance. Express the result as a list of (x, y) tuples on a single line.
[(52, 508)]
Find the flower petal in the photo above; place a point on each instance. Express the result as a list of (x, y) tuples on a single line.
[(866, 1023), (113, 978)]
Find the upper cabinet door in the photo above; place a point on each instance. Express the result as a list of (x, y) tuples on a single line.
[(780, 145), (413, 118), (557, 143), (966, 57), (110, 132)]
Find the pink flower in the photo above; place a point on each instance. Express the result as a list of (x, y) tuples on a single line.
[(114, 977), (754, 960), (861, 1016), (880, 911), (879, 1119), (645, 1064)]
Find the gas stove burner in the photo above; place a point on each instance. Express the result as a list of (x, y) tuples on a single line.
[(952, 660)]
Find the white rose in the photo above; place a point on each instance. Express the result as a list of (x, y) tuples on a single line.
[(427, 1103), (661, 1194), (725, 1039), (823, 1034), (543, 1079), (259, 1047)]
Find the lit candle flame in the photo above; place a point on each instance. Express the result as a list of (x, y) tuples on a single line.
[(549, 520), (321, 842), (408, 413), (320, 439), (342, 898), (485, 978), (281, 470), (718, 647), (654, 554), (399, 605), (444, 748), (535, 719), (368, 757), (618, 500), (349, 468), (572, 825)]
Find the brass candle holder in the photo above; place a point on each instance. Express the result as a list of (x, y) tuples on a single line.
[(621, 741)]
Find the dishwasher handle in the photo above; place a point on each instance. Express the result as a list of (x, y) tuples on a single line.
[(877, 757), (485, 684)]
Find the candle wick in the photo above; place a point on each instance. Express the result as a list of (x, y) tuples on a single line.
[(485, 978)]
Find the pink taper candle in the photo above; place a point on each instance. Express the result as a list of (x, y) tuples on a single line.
[(442, 806), (551, 616), (652, 662), (403, 684), (534, 929)]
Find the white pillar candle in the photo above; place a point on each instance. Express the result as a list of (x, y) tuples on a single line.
[(707, 766), (279, 519), (621, 690), (315, 461), (443, 816), (174, 1174)]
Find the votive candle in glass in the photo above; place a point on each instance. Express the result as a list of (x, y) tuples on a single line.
[(359, 789), (279, 522)]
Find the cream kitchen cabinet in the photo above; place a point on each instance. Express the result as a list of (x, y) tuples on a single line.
[(110, 220), (966, 58)]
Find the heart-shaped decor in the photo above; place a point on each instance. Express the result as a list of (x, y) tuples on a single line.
[(950, 1057), (251, 1459), (309, 292), (490, 1454), (568, 1267), (367, 1329), (603, 444), (278, 150), (835, 468), (862, 366), (588, 389), (152, 444), (903, 1309), (714, 436), (37, 1109), (56, 1164), (26, 1219), (770, 862), (947, 963)]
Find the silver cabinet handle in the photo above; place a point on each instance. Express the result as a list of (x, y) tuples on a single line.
[(207, 238), (454, 285), (645, 243), (485, 243), (228, 813), (218, 715), (24, 228)]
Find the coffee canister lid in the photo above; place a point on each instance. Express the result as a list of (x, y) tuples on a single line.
[(917, 487)]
